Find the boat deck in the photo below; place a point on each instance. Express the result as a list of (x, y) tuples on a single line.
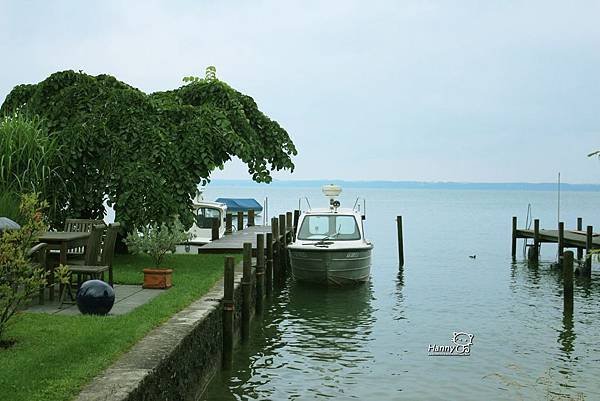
[(234, 242)]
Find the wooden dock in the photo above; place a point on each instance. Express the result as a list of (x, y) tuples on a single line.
[(572, 239), (581, 240), (234, 242)]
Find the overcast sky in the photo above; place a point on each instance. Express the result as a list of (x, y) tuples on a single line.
[(489, 91)]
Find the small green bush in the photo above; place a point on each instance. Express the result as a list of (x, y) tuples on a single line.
[(19, 277), (156, 240)]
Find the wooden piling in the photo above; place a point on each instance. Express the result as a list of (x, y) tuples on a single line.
[(535, 251), (296, 219), (240, 221), (561, 241), (250, 217), (400, 242), (228, 312), (276, 253), (567, 265), (228, 224), (215, 229), (282, 244), (588, 248), (579, 228), (260, 271), (246, 290), (289, 223), (514, 237), (269, 268)]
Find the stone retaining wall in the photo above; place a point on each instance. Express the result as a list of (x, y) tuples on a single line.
[(176, 360)]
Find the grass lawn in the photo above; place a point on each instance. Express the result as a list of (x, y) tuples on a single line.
[(56, 355)]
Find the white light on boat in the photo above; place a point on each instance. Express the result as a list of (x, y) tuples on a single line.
[(331, 190), (351, 255)]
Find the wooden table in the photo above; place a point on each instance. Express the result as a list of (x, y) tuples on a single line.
[(62, 240)]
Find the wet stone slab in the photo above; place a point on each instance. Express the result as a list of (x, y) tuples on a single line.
[(127, 298)]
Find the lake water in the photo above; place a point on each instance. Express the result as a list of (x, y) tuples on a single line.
[(371, 342)]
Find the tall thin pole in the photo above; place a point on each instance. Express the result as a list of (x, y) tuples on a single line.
[(400, 242), (558, 208)]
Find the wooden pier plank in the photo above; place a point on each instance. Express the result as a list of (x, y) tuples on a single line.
[(234, 243), (571, 238)]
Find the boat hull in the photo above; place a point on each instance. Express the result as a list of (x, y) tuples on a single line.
[(335, 267)]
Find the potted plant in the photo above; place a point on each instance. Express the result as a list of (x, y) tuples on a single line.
[(156, 241)]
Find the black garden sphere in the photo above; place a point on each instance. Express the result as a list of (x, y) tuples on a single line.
[(95, 297)]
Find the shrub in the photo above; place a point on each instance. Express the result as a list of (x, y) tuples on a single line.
[(19, 277), (156, 240), (29, 160)]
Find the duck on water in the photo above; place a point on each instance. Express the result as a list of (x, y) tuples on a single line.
[(330, 247)]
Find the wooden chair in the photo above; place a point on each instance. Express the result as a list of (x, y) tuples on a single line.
[(104, 258), (79, 225), (90, 267)]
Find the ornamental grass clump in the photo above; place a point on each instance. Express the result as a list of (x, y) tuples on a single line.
[(20, 278), (157, 240), (30, 162)]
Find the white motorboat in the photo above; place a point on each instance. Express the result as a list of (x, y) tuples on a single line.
[(330, 245), (206, 214)]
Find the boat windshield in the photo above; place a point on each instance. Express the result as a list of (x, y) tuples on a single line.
[(333, 227), (206, 215)]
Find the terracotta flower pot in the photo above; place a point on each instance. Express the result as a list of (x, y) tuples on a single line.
[(158, 278)]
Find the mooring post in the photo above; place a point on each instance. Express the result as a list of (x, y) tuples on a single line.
[(579, 228), (568, 274), (282, 245), (260, 271), (269, 272), (228, 312), (561, 241), (276, 253), (400, 242), (534, 252), (240, 221), (588, 248), (216, 224), (228, 224), (250, 217), (296, 219), (289, 223), (246, 290), (514, 237)]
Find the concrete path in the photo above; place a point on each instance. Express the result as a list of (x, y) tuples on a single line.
[(127, 298)]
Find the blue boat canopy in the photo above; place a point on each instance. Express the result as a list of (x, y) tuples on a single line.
[(235, 205)]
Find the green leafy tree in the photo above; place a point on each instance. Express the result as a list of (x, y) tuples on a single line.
[(146, 154), (20, 278)]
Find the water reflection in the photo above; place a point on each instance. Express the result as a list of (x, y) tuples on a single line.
[(318, 333), (567, 336)]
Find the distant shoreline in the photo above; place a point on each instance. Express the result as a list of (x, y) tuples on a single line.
[(500, 186)]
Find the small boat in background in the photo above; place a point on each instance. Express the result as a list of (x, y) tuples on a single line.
[(235, 205), (206, 213), (330, 247)]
